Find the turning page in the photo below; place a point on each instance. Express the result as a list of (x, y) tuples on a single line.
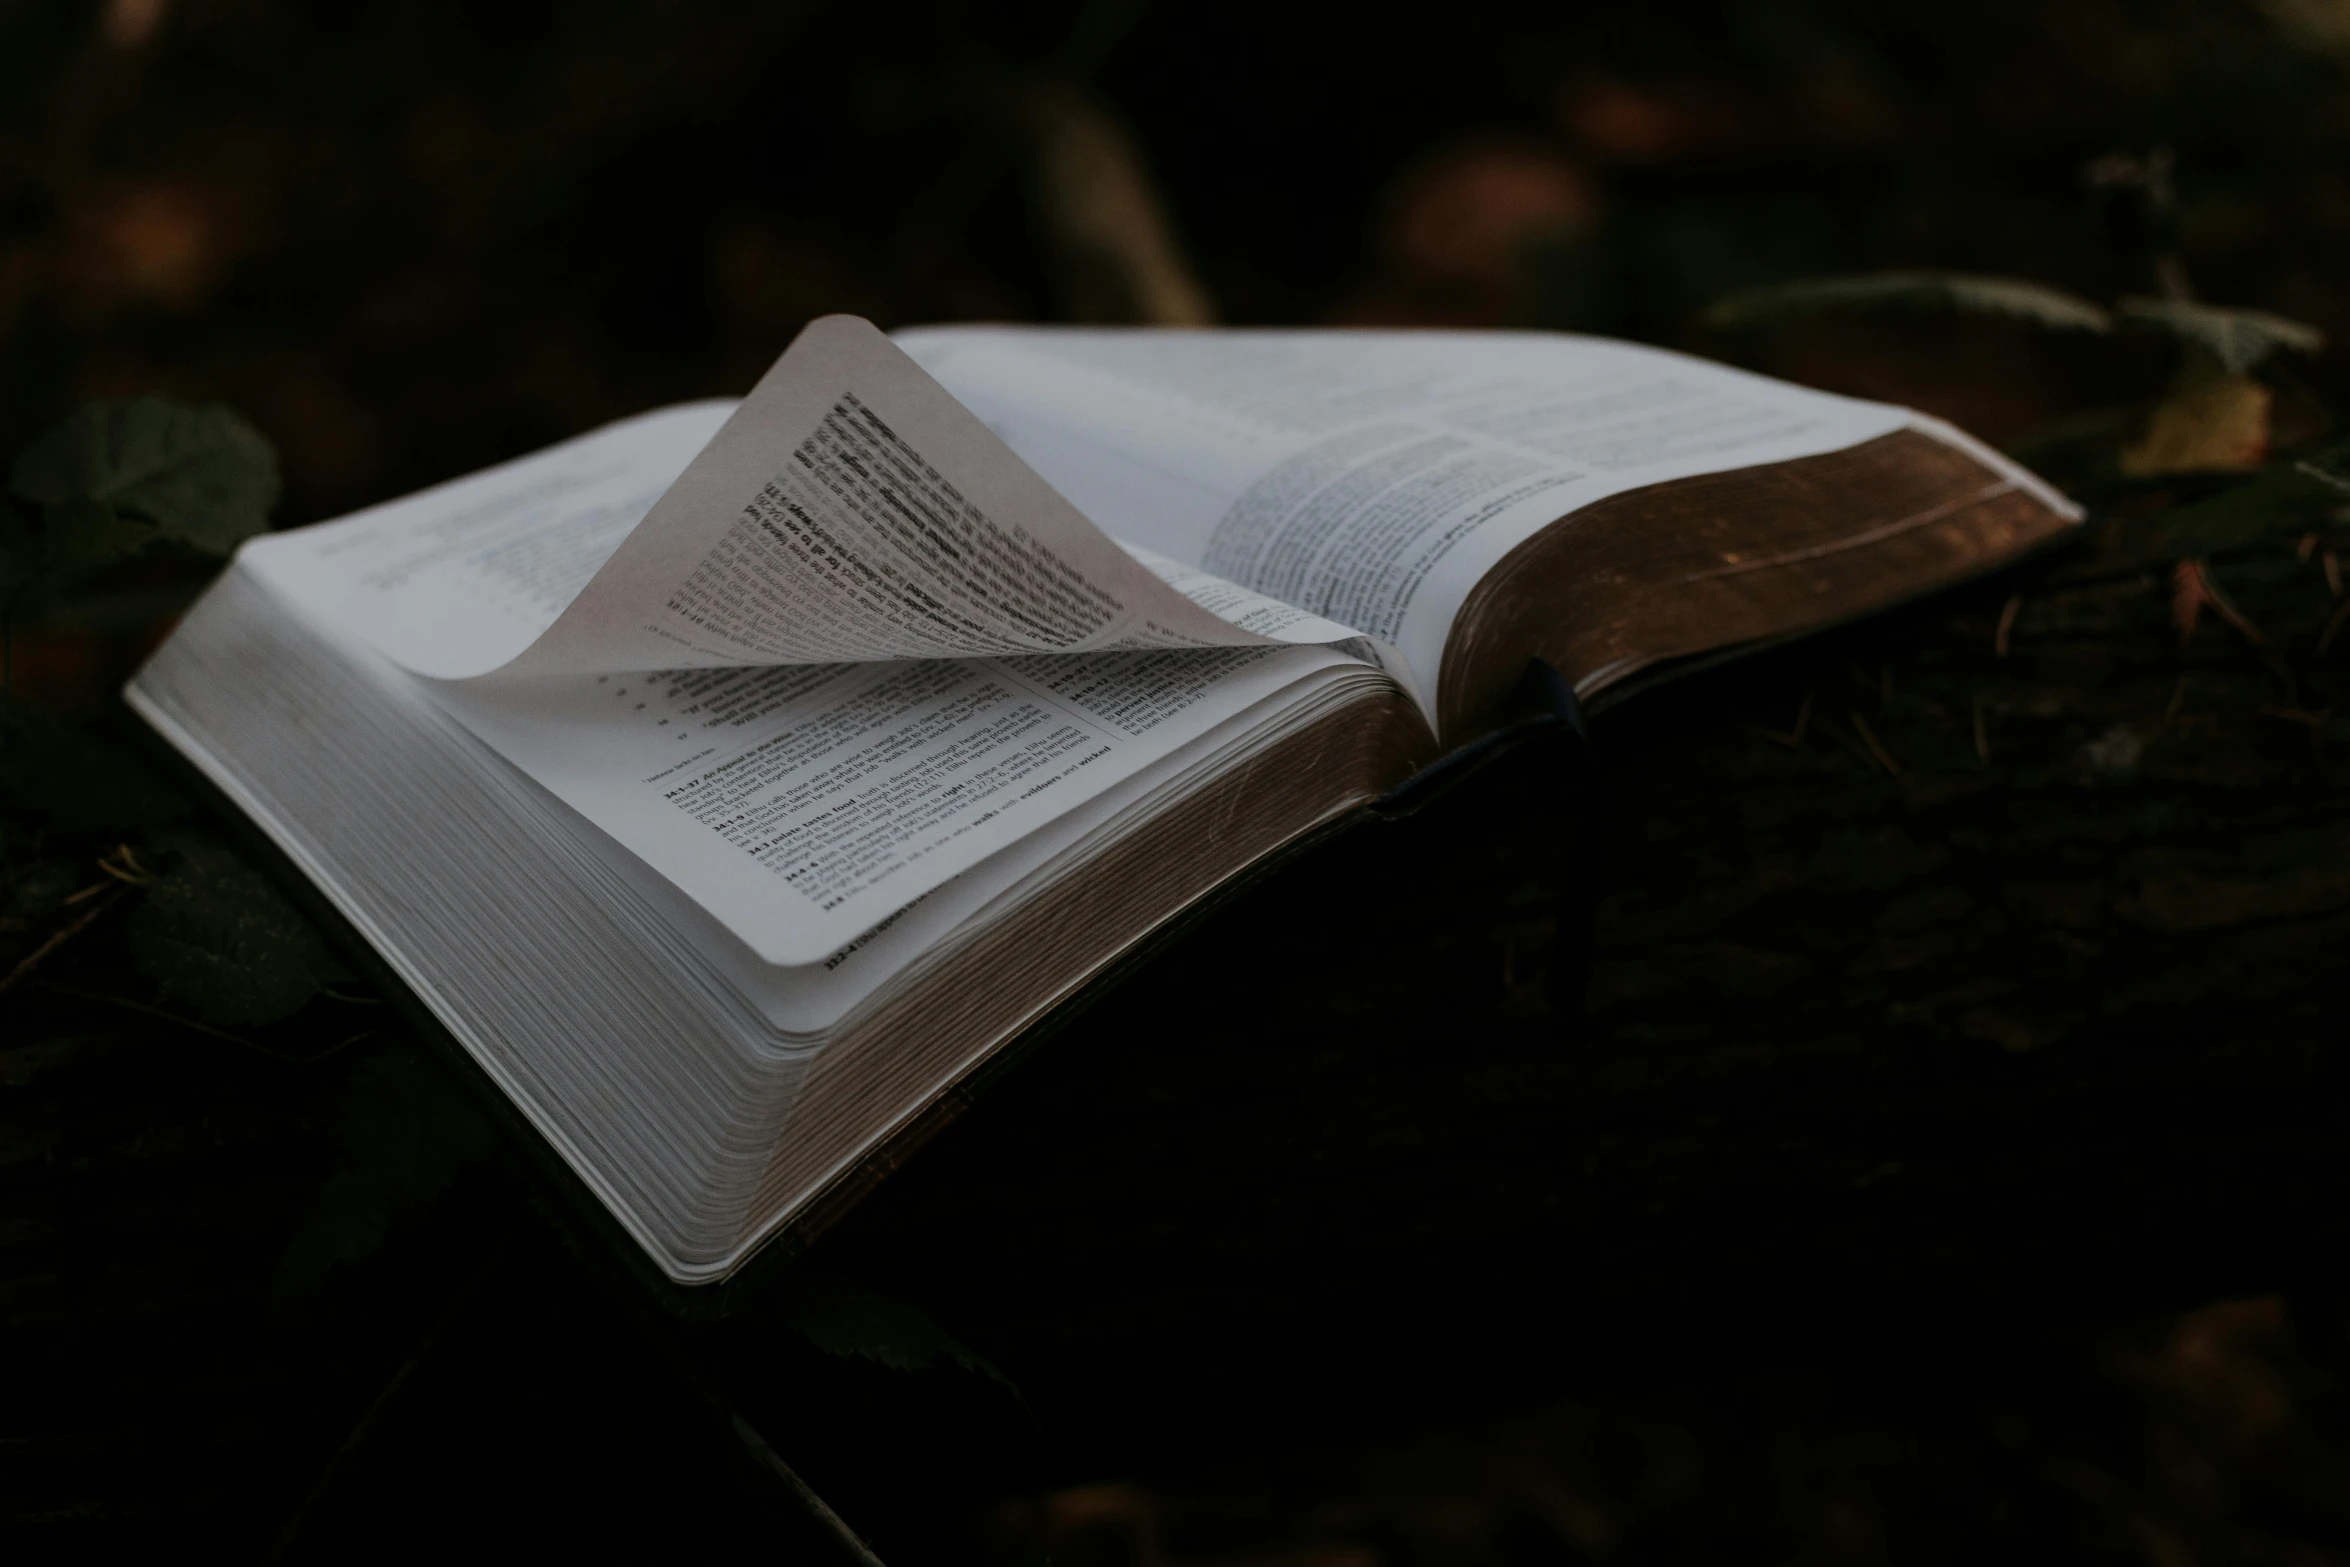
[(784, 651), (849, 509)]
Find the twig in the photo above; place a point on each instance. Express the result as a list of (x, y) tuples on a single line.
[(2192, 590), (2325, 638), (330, 1052), (130, 872), (1105, 221), (2234, 616), (2170, 711), (315, 1499), (780, 1482), (2333, 565), (2015, 607), (32, 959), (1793, 737), (2187, 599), (1876, 746), (845, 1540), (189, 1023), (144, 1009)]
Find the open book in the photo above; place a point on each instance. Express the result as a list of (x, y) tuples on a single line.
[(732, 780)]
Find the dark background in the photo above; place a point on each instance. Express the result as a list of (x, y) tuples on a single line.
[(408, 240)]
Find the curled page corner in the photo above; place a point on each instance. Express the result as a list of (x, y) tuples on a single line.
[(786, 654), (851, 510)]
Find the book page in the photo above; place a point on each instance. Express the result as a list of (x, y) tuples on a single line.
[(800, 802), (462, 577), (808, 999), (849, 509), (1369, 478)]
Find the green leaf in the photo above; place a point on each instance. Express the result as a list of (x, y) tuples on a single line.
[(22, 548), (77, 778), (404, 1136), (198, 476), (2281, 501), (841, 1318), (221, 939), (2238, 339), (1965, 293), (83, 535)]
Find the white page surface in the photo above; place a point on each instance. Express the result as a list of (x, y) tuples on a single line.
[(802, 804), (1368, 477)]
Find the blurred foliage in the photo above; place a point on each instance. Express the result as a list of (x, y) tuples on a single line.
[(2205, 1437), (2232, 340), (403, 1139), (2279, 505), (1962, 292), (221, 940), (2214, 416), (412, 239), (118, 480), (2236, 340), (196, 476), (63, 774)]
